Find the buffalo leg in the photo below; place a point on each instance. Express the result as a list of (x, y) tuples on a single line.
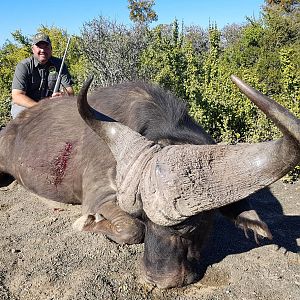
[(113, 222), (247, 219)]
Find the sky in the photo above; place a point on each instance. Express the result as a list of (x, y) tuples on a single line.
[(70, 15)]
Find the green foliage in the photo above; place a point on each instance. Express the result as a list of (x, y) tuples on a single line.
[(287, 5), (292, 176), (10, 55), (164, 61), (192, 81), (266, 55), (228, 115)]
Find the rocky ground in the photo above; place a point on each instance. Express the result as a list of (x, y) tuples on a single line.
[(42, 258)]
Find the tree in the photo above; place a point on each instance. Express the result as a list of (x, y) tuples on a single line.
[(141, 11), (163, 61), (112, 50), (198, 37), (287, 5), (230, 34)]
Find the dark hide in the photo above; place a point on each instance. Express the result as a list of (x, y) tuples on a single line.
[(52, 152)]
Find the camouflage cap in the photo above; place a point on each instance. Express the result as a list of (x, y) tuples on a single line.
[(40, 37)]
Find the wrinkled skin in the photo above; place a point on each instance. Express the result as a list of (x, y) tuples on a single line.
[(172, 254), (71, 164)]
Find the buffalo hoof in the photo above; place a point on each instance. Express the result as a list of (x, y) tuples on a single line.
[(128, 231), (250, 221)]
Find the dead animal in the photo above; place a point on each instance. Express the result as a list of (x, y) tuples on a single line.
[(144, 171)]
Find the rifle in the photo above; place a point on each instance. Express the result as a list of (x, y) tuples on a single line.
[(57, 84)]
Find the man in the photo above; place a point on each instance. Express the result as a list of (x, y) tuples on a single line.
[(35, 77)]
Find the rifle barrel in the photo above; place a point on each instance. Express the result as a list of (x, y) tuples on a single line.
[(57, 84)]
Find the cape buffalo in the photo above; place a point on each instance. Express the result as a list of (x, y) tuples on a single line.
[(151, 176)]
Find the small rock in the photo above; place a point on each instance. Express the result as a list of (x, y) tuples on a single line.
[(15, 250)]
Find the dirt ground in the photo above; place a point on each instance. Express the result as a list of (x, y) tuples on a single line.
[(43, 258)]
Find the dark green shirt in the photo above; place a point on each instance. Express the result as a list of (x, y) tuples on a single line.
[(38, 80)]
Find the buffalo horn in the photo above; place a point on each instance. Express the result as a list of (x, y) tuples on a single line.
[(130, 149), (178, 181), (188, 179)]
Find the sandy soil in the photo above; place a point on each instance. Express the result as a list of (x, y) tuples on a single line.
[(41, 257)]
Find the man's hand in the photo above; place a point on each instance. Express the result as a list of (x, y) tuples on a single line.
[(57, 94), (67, 91)]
